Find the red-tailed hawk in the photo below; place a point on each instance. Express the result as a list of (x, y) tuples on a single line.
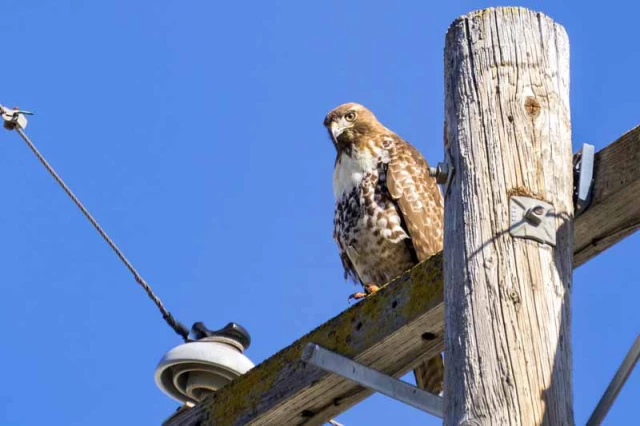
[(389, 212)]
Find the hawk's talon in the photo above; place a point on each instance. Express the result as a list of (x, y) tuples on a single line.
[(356, 296), (369, 289)]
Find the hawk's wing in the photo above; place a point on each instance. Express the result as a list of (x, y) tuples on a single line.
[(421, 205), (417, 195)]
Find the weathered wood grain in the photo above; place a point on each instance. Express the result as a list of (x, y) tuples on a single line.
[(615, 209), (507, 300)]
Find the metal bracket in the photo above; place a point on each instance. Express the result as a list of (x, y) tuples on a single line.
[(443, 172), (14, 117), (364, 376), (618, 381), (583, 178), (532, 219)]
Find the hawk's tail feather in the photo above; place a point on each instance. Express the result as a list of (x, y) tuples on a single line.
[(430, 375)]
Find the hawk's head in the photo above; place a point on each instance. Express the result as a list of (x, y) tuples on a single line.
[(350, 122)]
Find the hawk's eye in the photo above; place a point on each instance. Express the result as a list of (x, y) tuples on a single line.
[(350, 116)]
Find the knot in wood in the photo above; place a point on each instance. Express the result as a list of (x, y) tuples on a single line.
[(532, 106), (515, 297)]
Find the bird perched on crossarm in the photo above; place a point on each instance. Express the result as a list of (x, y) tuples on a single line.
[(389, 212)]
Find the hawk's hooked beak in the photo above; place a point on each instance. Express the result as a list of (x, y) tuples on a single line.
[(336, 130)]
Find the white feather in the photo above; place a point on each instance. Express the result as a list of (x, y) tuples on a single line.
[(350, 169)]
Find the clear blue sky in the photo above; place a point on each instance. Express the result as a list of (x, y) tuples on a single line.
[(193, 131)]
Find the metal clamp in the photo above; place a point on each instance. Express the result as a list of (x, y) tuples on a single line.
[(583, 163), (364, 376), (14, 117), (532, 219)]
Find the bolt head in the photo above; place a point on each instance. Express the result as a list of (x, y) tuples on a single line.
[(534, 215)]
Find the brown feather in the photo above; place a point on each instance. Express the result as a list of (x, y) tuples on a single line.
[(417, 195)]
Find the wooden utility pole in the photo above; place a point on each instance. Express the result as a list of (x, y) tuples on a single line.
[(507, 299)]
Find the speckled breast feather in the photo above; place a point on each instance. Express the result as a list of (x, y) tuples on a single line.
[(368, 225)]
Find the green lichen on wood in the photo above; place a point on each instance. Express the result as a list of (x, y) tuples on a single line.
[(427, 287), (336, 335)]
